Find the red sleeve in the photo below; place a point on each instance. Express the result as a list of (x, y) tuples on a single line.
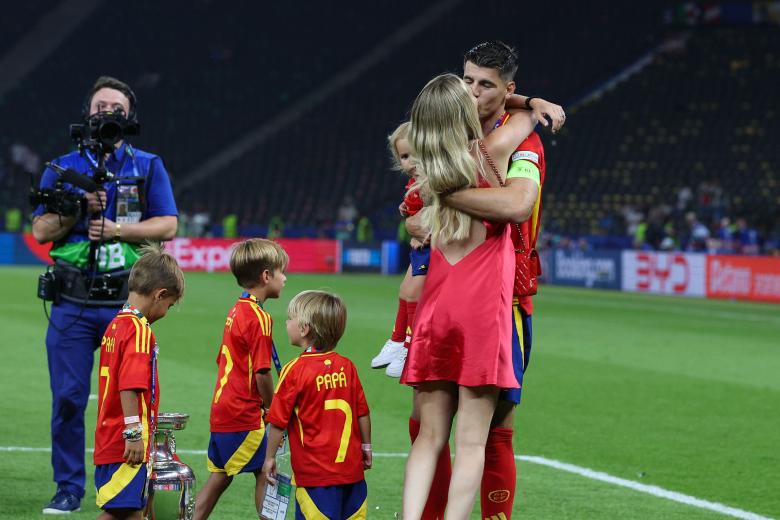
[(362, 404), (530, 150), (258, 334), (412, 200), (285, 396), (135, 365)]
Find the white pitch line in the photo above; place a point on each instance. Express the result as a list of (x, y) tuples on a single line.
[(550, 463), (643, 488)]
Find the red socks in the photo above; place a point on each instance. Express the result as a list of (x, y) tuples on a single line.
[(437, 497), (500, 476), (399, 329), (411, 308)]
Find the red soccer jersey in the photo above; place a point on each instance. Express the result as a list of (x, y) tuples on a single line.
[(318, 401), (236, 405), (530, 150), (128, 361), (413, 201)]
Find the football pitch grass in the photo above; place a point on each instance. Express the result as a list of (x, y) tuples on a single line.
[(682, 394)]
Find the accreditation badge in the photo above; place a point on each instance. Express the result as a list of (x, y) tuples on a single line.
[(128, 204)]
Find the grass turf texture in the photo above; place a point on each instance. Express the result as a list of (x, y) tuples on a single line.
[(679, 393)]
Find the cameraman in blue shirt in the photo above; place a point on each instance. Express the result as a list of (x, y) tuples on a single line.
[(93, 252)]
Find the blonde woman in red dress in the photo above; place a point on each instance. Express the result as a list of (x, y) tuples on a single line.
[(460, 356)]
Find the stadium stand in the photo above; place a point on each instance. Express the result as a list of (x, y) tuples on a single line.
[(691, 133), (219, 77), (348, 155), (24, 16)]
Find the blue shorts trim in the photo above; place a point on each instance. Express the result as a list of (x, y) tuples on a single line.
[(347, 502), (522, 335), (121, 486), (237, 452), (420, 260)]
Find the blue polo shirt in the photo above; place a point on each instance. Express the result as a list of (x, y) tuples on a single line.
[(129, 166)]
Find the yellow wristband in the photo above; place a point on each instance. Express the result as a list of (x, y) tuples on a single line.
[(118, 233)]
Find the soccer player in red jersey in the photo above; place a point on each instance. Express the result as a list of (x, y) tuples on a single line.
[(244, 387), (320, 402), (489, 69), (128, 389)]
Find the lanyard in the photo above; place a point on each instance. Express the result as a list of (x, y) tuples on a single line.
[(274, 353), (128, 151), (501, 120), (153, 386)]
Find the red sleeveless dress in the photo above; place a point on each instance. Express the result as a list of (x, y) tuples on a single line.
[(462, 328)]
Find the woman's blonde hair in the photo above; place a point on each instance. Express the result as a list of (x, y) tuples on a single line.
[(156, 269), (324, 313), (402, 132), (444, 120)]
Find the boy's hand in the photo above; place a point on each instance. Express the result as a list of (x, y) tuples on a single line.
[(368, 457), (269, 470), (134, 451)]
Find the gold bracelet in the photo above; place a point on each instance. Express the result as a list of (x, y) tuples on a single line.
[(118, 233)]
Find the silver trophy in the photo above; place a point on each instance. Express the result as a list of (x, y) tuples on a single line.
[(171, 482)]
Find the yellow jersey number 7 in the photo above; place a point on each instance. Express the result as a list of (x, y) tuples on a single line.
[(341, 404), (104, 372), (224, 379)]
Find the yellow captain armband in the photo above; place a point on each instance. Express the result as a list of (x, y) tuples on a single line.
[(523, 168)]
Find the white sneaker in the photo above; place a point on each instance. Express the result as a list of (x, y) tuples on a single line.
[(389, 352), (396, 366)]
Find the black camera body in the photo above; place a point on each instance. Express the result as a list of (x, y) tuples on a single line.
[(103, 130), (58, 200)]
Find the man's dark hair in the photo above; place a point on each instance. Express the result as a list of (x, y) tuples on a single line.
[(112, 83), (496, 55)]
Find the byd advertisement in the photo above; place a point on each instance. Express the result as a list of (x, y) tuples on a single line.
[(681, 274)]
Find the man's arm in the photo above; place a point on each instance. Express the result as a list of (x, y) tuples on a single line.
[(541, 108), (51, 227), (513, 203), (155, 228)]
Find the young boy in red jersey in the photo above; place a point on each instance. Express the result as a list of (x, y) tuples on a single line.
[(128, 389), (244, 386), (320, 402)]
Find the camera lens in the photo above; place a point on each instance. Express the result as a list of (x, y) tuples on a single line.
[(109, 132)]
